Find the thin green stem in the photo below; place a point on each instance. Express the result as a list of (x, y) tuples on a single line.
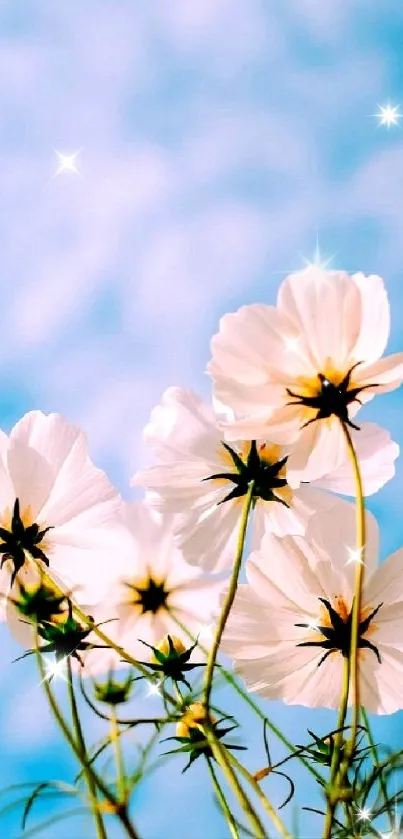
[(252, 704), (85, 763), (230, 596), (277, 821), (358, 583), (100, 827), (334, 768), (221, 756), (377, 765), (120, 770), (339, 772), (218, 750), (223, 801)]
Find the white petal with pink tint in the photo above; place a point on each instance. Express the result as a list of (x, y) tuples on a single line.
[(333, 328), (288, 579), (45, 465), (325, 307), (376, 453)]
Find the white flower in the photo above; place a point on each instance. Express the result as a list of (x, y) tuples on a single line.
[(204, 480), (292, 372), (58, 511), (155, 592), (290, 626)]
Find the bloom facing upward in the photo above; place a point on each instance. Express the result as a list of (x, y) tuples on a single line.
[(155, 592), (290, 627), (57, 510), (204, 479), (295, 371)]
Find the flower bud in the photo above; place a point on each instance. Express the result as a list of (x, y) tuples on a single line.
[(167, 648), (194, 717), (113, 693)]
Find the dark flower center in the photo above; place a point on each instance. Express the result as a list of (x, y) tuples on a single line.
[(151, 597), (331, 399), (19, 539), (253, 468), (337, 636)]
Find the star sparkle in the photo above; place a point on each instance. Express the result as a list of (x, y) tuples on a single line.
[(364, 814), (67, 163), (318, 259), (55, 670), (388, 115), (354, 555), (154, 689)]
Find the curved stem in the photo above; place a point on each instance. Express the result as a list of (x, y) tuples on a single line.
[(358, 582), (221, 756), (298, 753), (223, 801), (217, 748), (120, 771), (85, 763), (229, 599), (277, 821), (334, 768), (378, 766), (100, 827), (339, 773)]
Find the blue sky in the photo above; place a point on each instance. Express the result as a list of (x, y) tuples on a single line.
[(216, 138)]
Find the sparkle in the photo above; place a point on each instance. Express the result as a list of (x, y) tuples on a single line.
[(55, 670), (313, 625), (291, 344), (67, 163), (319, 260), (154, 689), (364, 815), (388, 115), (354, 555)]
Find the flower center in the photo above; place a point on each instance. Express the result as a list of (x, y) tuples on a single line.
[(335, 629), (330, 399), (149, 595), (256, 464), (20, 538)]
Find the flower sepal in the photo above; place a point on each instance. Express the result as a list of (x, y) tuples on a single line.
[(191, 734), (170, 659)]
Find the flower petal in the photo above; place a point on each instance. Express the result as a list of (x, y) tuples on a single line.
[(376, 452)]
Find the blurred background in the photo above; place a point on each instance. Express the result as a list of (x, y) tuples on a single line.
[(209, 143)]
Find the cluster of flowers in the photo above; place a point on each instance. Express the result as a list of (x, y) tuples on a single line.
[(286, 380)]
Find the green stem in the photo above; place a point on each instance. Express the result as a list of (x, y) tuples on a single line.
[(252, 704), (85, 763), (277, 821), (359, 577), (377, 765), (120, 770), (339, 773), (334, 768), (223, 801), (221, 756), (218, 750), (100, 827), (230, 596)]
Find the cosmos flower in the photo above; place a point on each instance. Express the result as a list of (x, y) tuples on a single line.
[(155, 592), (204, 480), (290, 626), (57, 510), (294, 372)]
